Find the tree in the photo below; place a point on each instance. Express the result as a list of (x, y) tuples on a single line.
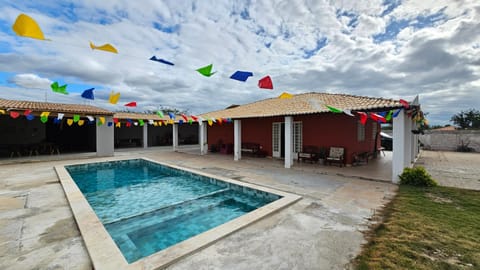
[(467, 119)]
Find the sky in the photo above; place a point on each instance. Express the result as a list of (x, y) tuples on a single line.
[(386, 49)]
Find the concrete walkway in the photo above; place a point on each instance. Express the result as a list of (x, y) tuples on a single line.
[(321, 231), (452, 169)]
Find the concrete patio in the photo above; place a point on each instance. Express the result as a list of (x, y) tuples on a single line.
[(321, 231)]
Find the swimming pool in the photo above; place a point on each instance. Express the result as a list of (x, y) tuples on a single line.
[(147, 207)]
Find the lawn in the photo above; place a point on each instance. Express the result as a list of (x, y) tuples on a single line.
[(426, 228)]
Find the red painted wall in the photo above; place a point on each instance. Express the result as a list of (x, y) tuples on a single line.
[(321, 130)]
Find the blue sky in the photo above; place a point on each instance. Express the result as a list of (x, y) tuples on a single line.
[(378, 48)]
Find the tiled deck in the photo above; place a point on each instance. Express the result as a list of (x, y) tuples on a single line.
[(321, 231)]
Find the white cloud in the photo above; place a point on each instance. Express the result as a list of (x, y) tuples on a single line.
[(31, 81), (266, 37)]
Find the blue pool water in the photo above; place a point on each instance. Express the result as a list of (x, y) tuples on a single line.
[(147, 207)]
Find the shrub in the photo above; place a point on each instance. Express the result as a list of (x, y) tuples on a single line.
[(417, 176)]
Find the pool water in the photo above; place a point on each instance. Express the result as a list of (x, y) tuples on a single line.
[(147, 207)]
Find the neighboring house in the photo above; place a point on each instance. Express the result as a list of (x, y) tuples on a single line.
[(450, 139), (283, 127)]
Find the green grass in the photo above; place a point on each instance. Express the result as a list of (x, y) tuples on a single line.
[(426, 228)]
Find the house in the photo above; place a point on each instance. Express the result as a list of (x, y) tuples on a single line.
[(281, 128)]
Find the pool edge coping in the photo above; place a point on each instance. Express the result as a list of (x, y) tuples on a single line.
[(106, 255)]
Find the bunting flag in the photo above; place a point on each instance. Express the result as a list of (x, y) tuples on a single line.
[(180, 122), (171, 122), (377, 118), (200, 121), (388, 117), (115, 120), (241, 75), (171, 115), (395, 114), (206, 70), (160, 113), (110, 123), (150, 122), (210, 122), (76, 118), (69, 122), (30, 117), (118, 124), (105, 47), (114, 97), (56, 121), (90, 118), (285, 95), (128, 124), (131, 104), (140, 122), (44, 119), (333, 109), (44, 114), (80, 122), (363, 117), (61, 115), (404, 103), (25, 26), (59, 89), (160, 123), (184, 117), (88, 94), (195, 118), (27, 112), (348, 112), (2, 112), (101, 120), (153, 58), (155, 124), (190, 121), (265, 83), (219, 121)]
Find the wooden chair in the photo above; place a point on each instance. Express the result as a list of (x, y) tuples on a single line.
[(336, 155)]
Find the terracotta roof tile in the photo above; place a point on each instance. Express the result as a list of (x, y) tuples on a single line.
[(21, 105), (307, 103)]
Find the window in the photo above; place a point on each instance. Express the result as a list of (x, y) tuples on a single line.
[(360, 132), (297, 137)]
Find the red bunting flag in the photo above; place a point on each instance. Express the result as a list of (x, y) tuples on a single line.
[(27, 112), (128, 124), (14, 114), (405, 103), (115, 120), (265, 82), (184, 117), (377, 118), (194, 117), (363, 117), (131, 104)]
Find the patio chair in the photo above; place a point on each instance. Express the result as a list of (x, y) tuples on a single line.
[(335, 155)]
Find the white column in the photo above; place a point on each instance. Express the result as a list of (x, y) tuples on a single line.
[(203, 138), (398, 148), (105, 138), (288, 142), (145, 135), (408, 141), (413, 139), (175, 136), (237, 140)]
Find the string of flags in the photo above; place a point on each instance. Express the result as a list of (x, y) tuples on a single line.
[(25, 26)]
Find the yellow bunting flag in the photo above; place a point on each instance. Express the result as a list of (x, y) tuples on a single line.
[(105, 47), (2, 111), (81, 122), (160, 123), (210, 122), (69, 122), (171, 121), (155, 124), (285, 95), (25, 26), (114, 97), (44, 114), (118, 124), (101, 120)]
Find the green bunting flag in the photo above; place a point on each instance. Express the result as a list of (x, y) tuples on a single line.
[(140, 122), (76, 117), (59, 89), (333, 109), (206, 70), (160, 113)]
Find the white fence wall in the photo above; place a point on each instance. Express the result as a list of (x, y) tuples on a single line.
[(450, 140)]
